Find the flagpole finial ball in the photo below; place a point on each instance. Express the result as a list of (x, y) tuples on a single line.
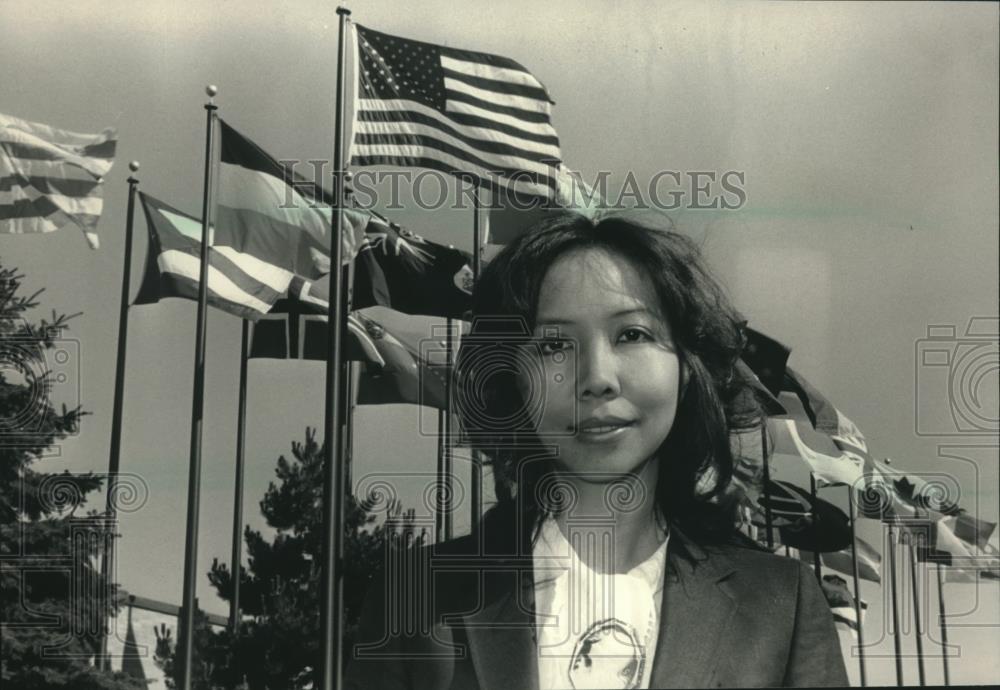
[(211, 90), (133, 166)]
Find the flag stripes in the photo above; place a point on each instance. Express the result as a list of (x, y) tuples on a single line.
[(239, 283), (51, 177), (267, 210), (456, 111)]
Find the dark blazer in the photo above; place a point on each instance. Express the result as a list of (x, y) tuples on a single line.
[(458, 616)]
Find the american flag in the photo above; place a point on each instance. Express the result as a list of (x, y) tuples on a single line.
[(460, 112)]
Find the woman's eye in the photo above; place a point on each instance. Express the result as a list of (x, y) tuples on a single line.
[(635, 335), (552, 346)]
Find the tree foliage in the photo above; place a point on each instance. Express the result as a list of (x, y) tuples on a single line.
[(50, 609), (278, 641)]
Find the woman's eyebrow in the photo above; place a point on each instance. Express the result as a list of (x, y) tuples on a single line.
[(623, 312)]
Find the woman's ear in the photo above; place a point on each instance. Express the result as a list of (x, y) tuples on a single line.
[(685, 378)]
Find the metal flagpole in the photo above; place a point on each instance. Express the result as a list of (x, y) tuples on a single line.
[(476, 467), (816, 559), (439, 532), (895, 605), (857, 585), (114, 459), (767, 490), (448, 465), (916, 610), (350, 378), (942, 623), (332, 592), (185, 633), (241, 425)]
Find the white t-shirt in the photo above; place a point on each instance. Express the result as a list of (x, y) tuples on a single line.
[(595, 630)]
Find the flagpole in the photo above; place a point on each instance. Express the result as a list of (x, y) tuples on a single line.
[(349, 374), (767, 490), (916, 609), (185, 633), (241, 425), (332, 592), (942, 623), (114, 458), (346, 403), (895, 606), (439, 533), (816, 559), (476, 467), (857, 585), (448, 468)]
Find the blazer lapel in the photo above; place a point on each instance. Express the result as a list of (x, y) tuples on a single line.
[(697, 607), (501, 633)]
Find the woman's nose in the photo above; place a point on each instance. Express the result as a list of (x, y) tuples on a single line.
[(598, 372)]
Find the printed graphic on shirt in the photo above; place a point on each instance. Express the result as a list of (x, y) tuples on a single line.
[(607, 655)]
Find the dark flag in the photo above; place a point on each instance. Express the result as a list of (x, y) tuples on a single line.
[(804, 521), (239, 282), (460, 112), (767, 358), (296, 330), (132, 653), (822, 414), (398, 269)]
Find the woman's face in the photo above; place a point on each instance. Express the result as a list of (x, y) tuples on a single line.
[(610, 375)]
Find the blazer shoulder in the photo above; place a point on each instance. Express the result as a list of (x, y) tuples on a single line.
[(760, 573)]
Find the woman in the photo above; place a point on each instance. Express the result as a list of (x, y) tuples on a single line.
[(599, 379)]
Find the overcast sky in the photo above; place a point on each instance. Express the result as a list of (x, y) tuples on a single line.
[(866, 134)]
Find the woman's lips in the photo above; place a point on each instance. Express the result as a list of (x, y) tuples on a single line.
[(600, 434)]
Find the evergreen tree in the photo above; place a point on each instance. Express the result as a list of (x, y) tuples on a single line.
[(278, 647), (51, 610)]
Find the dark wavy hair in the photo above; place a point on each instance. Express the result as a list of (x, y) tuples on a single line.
[(695, 489)]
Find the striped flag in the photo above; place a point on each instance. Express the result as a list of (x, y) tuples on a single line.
[(52, 177), (841, 602), (239, 282), (456, 111), (276, 213), (830, 464), (510, 217)]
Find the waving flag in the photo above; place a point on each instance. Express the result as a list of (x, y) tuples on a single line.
[(274, 212), (52, 177), (293, 332), (239, 282), (457, 111), (842, 602), (829, 463), (405, 377), (511, 216), (398, 269), (869, 560)]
